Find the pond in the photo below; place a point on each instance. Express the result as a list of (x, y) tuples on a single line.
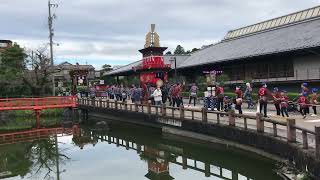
[(121, 151)]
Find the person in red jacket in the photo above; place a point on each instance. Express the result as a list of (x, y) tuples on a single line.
[(276, 99), (303, 102), (220, 96), (263, 98), (238, 100), (284, 103), (314, 101)]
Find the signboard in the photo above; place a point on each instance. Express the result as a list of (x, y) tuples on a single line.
[(3, 45), (153, 62), (101, 81)]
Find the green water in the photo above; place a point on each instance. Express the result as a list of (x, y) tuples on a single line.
[(122, 152)]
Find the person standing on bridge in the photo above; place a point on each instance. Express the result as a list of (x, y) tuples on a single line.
[(193, 94), (314, 101), (263, 99), (238, 100), (276, 100), (220, 96), (248, 95), (284, 103), (303, 102), (305, 90), (136, 95), (157, 95)]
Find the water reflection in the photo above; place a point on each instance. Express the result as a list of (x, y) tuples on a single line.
[(32, 153), (142, 152)]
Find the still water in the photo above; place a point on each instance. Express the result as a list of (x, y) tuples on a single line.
[(122, 152)]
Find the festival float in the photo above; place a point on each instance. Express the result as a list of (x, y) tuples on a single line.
[(152, 70)]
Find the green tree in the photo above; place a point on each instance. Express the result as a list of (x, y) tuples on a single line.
[(222, 79), (38, 78), (179, 50), (168, 53), (12, 67), (105, 68), (194, 49)]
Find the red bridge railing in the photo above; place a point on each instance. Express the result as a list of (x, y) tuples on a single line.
[(38, 103), (37, 134)]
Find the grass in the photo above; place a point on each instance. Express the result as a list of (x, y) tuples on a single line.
[(45, 112), (24, 123)]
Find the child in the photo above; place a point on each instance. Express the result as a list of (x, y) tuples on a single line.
[(314, 101), (303, 102), (284, 103), (238, 100), (263, 99), (227, 104), (276, 99)]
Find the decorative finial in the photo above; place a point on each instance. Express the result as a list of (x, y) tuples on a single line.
[(152, 38)]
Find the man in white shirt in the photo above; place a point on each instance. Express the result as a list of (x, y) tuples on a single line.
[(157, 95)]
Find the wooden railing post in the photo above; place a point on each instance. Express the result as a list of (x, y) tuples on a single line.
[(108, 105), (116, 104), (317, 137), (149, 108), (164, 110), (204, 115), (126, 105), (181, 108), (291, 131), (136, 107), (260, 123), (305, 139), (232, 118), (100, 103)]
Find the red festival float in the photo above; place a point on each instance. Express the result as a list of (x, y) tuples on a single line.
[(152, 68)]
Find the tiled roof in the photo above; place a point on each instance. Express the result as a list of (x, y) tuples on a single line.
[(275, 23), (302, 35)]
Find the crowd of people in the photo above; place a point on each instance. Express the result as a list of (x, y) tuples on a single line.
[(157, 95), (280, 99), (215, 99)]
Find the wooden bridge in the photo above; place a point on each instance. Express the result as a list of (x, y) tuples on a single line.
[(38, 104), (174, 116)]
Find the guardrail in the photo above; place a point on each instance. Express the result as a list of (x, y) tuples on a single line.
[(258, 123), (37, 103)]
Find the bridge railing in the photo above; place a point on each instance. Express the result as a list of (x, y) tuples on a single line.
[(37, 103), (286, 131)]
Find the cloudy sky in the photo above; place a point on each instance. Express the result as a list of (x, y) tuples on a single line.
[(112, 31)]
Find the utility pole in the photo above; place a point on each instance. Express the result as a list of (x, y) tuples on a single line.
[(51, 34)]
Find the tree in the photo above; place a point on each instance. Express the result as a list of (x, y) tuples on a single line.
[(38, 77), (222, 79), (11, 69), (179, 50), (168, 53), (194, 49), (105, 68)]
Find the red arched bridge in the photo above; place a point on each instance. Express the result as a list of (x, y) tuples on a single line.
[(38, 104)]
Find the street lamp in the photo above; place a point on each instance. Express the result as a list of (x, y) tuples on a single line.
[(174, 59)]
